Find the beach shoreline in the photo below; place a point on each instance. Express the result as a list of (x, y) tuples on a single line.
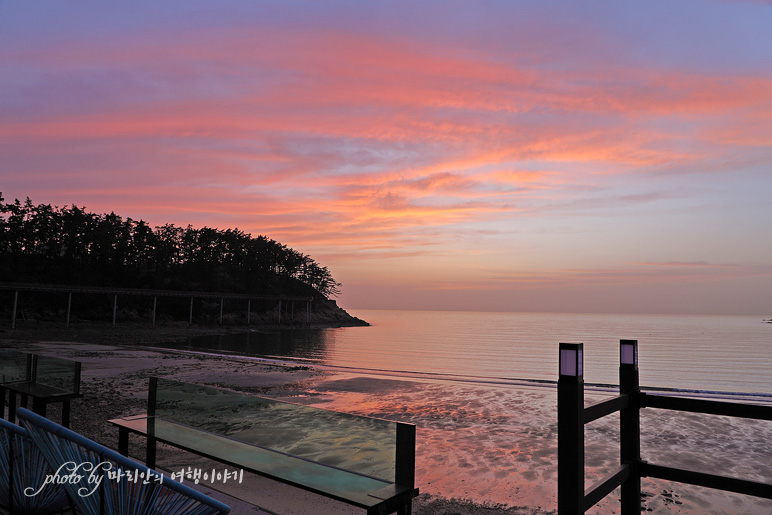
[(481, 448), (116, 362)]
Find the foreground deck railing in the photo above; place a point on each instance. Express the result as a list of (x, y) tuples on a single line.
[(46, 379), (572, 417)]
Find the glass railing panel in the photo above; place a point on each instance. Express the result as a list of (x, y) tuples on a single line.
[(14, 366), (278, 465), (360, 444), (63, 374)]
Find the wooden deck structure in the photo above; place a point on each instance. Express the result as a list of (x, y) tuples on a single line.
[(283, 301)]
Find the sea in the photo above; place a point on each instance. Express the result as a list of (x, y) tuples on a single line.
[(698, 352), (481, 389)]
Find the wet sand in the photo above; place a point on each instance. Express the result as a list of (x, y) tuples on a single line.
[(114, 384), (480, 448)]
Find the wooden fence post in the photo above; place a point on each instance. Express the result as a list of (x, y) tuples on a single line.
[(69, 308), (570, 430), (630, 426), (15, 303)]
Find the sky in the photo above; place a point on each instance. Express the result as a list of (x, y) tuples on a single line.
[(594, 156)]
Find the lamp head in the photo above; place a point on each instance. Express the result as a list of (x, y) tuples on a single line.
[(571, 362), (628, 353)]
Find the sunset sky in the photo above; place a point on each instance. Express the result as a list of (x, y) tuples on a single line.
[(594, 156)]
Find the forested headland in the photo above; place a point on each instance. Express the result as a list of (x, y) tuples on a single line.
[(45, 244)]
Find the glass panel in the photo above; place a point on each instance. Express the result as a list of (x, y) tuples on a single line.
[(360, 444), (14, 366), (63, 374)]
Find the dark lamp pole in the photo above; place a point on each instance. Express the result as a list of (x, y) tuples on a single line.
[(630, 426), (570, 430)]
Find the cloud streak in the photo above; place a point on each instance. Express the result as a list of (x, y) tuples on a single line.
[(368, 133)]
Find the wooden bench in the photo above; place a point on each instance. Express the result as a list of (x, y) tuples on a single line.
[(362, 461), (43, 378)]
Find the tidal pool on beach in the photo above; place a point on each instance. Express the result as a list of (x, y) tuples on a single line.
[(493, 444), (497, 444)]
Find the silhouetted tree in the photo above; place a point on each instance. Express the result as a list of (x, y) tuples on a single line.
[(69, 245)]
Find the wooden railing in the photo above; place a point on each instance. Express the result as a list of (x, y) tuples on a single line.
[(116, 292), (572, 416)]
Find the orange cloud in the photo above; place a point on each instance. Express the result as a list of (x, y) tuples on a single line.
[(326, 138), (667, 274)]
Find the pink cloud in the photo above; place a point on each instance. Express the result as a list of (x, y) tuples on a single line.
[(688, 264), (331, 138), (646, 273)]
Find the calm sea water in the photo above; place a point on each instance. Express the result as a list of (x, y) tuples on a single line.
[(724, 353), (482, 439)]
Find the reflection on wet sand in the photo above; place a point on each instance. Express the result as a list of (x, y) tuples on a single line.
[(300, 343), (494, 444), (497, 444)]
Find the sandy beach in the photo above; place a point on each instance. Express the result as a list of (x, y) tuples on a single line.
[(114, 384), (480, 448)]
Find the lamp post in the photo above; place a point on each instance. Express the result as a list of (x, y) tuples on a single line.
[(570, 429), (630, 426)]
